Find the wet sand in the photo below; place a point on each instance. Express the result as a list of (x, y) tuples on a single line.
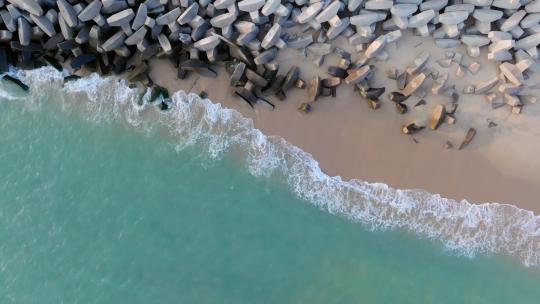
[(351, 140)]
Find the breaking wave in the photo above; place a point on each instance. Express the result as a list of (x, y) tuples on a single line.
[(463, 227)]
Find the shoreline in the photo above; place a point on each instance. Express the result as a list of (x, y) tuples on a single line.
[(339, 131), (463, 227)]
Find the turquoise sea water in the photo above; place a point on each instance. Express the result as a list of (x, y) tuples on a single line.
[(93, 211)]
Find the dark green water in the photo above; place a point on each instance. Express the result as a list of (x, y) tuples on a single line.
[(98, 213)]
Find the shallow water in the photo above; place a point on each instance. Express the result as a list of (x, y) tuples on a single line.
[(95, 212)]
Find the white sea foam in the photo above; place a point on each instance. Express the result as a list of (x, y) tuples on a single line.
[(466, 228)]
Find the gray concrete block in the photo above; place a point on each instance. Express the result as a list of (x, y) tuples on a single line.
[(44, 24), (250, 5), (207, 43), (67, 31), (25, 31), (136, 37), (52, 15), (83, 36), (140, 17), (223, 20), (188, 14), (121, 18), (30, 6), (168, 17), (114, 42), (68, 12), (90, 11), (9, 22), (165, 43)]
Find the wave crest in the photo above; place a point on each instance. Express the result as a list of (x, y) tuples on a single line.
[(463, 227)]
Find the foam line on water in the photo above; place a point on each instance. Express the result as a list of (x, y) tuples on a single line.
[(463, 227)]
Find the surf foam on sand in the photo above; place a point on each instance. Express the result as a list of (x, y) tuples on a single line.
[(463, 227)]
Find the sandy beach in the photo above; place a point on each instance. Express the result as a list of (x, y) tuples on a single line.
[(353, 141)]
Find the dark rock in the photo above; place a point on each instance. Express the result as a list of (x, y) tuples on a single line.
[(158, 91), (31, 47), (275, 87), (26, 60), (411, 128), (17, 82), (372, 93), (52, 43), (270, 75), (468, 138), (71, 78), (325, 91), (3, 60), (52, 62), (83, 59), (39, 63), (398, 97), (67, 45), (193, 64), (165, 105)]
